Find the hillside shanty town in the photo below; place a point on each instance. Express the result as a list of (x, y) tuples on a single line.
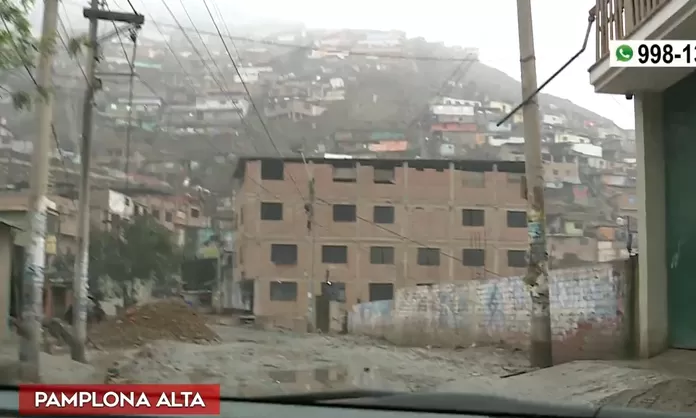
[(284, 209)]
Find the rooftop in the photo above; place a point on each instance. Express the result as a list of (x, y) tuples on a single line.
[(462, 165)]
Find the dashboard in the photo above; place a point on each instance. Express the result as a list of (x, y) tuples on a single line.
[(370, 404)]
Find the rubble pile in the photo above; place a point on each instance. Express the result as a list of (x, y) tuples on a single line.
[(170, 319)]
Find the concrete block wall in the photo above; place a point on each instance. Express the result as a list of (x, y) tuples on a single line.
[(589, 319)]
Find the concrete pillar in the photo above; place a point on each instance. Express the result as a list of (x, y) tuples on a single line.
[(652, 283)]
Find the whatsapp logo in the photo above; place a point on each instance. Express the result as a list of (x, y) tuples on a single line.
[(624, 53)]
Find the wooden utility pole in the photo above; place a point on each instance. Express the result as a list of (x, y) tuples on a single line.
[(33, 281), (537, 277)]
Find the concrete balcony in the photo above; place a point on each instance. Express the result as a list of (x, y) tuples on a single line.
[(637, 20)]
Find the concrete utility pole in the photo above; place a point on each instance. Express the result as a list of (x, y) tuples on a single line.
[(80, 280), (33, 280), (309, 209), (537, 277)]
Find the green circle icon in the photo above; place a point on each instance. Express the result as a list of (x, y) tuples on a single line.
[(624, 53)]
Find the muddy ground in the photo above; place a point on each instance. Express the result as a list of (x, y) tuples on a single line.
[(254, 362), (250, 362)]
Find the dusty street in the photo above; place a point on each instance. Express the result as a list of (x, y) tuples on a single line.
[(252, 362), (255, 362), (169, 343)]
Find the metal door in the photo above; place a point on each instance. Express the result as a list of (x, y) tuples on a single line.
[(680, 200)]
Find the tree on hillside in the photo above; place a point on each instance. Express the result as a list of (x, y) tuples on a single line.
[(139, 250)]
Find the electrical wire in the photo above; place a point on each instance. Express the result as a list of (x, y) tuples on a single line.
[(189, 79), (205, 46), (292, 179), (256, 110), (402, 237), (131, 81), (311, 47), (278, 198), (248, 128), (406, 238), (246, 89), (347, 52), (67, 48)]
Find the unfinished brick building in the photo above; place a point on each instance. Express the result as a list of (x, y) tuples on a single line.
[(378, 225)]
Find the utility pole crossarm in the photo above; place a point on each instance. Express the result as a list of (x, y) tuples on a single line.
[(99, 14)]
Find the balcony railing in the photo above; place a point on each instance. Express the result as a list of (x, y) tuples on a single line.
[(618, 19)]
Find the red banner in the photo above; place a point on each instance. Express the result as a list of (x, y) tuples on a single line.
[(119, 399)]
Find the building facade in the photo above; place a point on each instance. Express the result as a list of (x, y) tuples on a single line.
[(664, 103), (378, 225)]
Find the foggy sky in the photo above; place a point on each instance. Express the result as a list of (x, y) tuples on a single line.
[(490, 25)]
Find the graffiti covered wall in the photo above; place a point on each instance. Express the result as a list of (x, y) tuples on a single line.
[(587, 313)]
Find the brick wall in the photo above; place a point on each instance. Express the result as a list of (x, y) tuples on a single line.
[(589, 319)]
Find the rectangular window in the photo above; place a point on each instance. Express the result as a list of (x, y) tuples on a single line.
[(271, 211), (345, 173), (516, 219), (473, 257), (344, 213), (334, 254), (384, 175), (272, 170), (381, 291), (383, 214), (428, 256), (473, 217), (195, 213), (517, 258), (284, 291), (381, 255), (168, 216), (284, 254)]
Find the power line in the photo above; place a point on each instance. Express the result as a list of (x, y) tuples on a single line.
[(336, 51), (131, 65), (205, 46), (314, 48), (65, 45), (404, 237), (246, 89), (270, 138), (246, 126)]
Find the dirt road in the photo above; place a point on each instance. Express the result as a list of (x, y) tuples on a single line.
[(254, 362)]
